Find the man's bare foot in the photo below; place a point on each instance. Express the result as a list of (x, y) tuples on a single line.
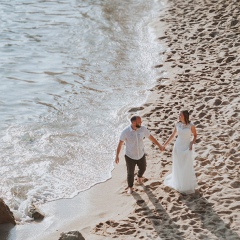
[(130, 190), (140, 181)]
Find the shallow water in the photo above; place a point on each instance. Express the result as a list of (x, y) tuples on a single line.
[(70, 71)]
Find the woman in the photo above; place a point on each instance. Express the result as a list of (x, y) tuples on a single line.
[(183, 177)]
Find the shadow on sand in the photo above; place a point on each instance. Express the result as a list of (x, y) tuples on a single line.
[(210, 220), (159, 218)]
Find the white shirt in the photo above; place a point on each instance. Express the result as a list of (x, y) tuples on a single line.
[(134, 141)]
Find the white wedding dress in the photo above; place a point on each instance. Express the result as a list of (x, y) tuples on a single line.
[(183, 177)]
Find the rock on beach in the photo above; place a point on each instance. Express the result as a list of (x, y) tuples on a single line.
[(6, 216)]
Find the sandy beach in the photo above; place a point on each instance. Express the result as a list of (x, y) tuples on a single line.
[(199, 71)]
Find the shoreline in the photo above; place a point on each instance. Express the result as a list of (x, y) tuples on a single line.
[(204, 78), (81, 213)]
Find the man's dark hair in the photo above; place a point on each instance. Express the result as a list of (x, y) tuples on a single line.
[(134, 118)]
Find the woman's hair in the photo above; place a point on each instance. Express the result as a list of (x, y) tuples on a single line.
[(186, 116)]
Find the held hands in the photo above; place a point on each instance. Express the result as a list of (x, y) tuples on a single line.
[(162, 148)]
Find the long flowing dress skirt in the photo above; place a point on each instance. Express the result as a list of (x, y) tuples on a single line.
[(183, 177)]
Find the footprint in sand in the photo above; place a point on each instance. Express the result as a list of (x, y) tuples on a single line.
[(140, 202), (235, 184), (140, 210), (225, 212), (125, 231), (132, 219), (154, 185), (175, 209), (218, 179), (185, 227), (237, 207), (112, 223)]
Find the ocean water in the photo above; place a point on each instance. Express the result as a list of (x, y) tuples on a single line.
[(70, 70)]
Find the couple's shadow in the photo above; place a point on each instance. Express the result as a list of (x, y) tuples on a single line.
[(210, 220), (159, 218), (202, 210)]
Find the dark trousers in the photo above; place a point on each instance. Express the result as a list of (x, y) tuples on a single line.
[(131, 163)]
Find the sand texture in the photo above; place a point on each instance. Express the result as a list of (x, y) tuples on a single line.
[(202, 59)]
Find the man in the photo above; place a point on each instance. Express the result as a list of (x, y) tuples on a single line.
[(133, 137)]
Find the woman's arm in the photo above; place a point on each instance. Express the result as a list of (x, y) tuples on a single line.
[(194, 132), (171, 137), (154, 140)]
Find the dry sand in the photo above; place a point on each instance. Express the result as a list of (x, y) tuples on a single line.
[(202, 62)]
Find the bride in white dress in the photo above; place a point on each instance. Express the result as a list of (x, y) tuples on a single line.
[(183, 177)]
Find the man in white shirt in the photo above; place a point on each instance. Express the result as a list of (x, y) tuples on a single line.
[(133, 137)]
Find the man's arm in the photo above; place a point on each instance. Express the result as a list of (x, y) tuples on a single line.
[(156, 142), (118, 151)]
